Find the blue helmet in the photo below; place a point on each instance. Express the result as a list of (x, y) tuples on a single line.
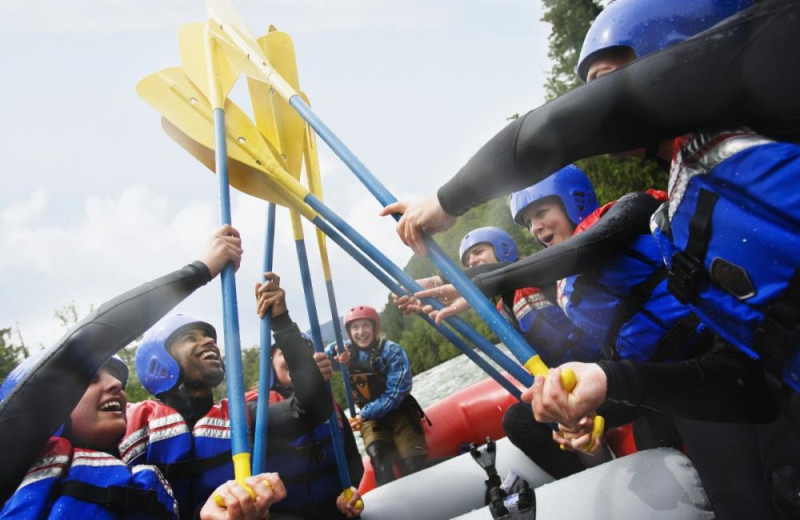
[(505, 249), (156, 368), (647, 26), (569, 184)]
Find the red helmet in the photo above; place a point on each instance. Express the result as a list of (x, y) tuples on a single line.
[(361, 312)]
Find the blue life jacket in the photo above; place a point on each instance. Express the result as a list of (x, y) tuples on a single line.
[(307, 466), (548, 330), (194, 462), (730, 234), (624, 304), (67, 483)]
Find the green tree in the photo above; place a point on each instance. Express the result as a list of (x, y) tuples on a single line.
[(569, 19), (11, 354)]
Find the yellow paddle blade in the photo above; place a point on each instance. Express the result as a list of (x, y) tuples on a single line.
[(241, 176), (180, 102), (237, 43), (277, 121), (192, 43)]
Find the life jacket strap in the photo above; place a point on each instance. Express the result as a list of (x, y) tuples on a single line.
[(124, 498), (687, 266), (580, 285), (679, 335)]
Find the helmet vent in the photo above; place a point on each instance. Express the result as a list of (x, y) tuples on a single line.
[(156, 369), (579, 196)]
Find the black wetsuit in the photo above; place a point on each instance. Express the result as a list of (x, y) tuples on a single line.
[(744, 70), (44, 399)]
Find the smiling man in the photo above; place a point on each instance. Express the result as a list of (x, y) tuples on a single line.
[(184, 432)]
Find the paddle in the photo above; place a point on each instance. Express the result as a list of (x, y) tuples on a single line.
[(265, 106), (286, 131), (235, 35), (238, 44), (200, 52), (254, 172), (315, 185), (203, 154), (265, 359), (278, 122)]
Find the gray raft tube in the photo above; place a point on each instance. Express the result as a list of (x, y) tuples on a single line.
[(658, 484)]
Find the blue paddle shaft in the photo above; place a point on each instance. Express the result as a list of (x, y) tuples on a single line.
[(337, 331), (233, 351), (333, 423), (265, 360)]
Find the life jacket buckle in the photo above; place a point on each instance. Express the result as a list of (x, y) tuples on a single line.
[(684, 277)]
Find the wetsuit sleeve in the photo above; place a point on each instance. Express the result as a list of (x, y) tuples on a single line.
[(740, 72), (355, 465), (724, 386), (44, 399), (627, 219), (398, 383), (311, 403)]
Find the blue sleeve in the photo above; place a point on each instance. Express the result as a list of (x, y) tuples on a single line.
[(397, 370)]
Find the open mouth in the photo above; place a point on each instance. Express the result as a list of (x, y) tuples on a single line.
[(210, 355), (114, 405), (546, 239)]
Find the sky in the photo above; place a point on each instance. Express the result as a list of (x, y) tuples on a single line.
[(95, 199)]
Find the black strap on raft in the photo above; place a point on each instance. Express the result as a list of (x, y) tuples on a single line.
[(193, 467), (523, 509), (779, 334), (521, 505), (485, 457), (687, 266), (124, 498)]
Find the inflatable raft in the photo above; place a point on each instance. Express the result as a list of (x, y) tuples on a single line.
[(653, 484)]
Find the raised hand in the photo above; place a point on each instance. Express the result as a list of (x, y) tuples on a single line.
[(224, 246), (270, 296), (425, 215)]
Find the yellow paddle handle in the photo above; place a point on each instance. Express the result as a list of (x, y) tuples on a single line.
[(348, 494), (536, 366), (241, 470)]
